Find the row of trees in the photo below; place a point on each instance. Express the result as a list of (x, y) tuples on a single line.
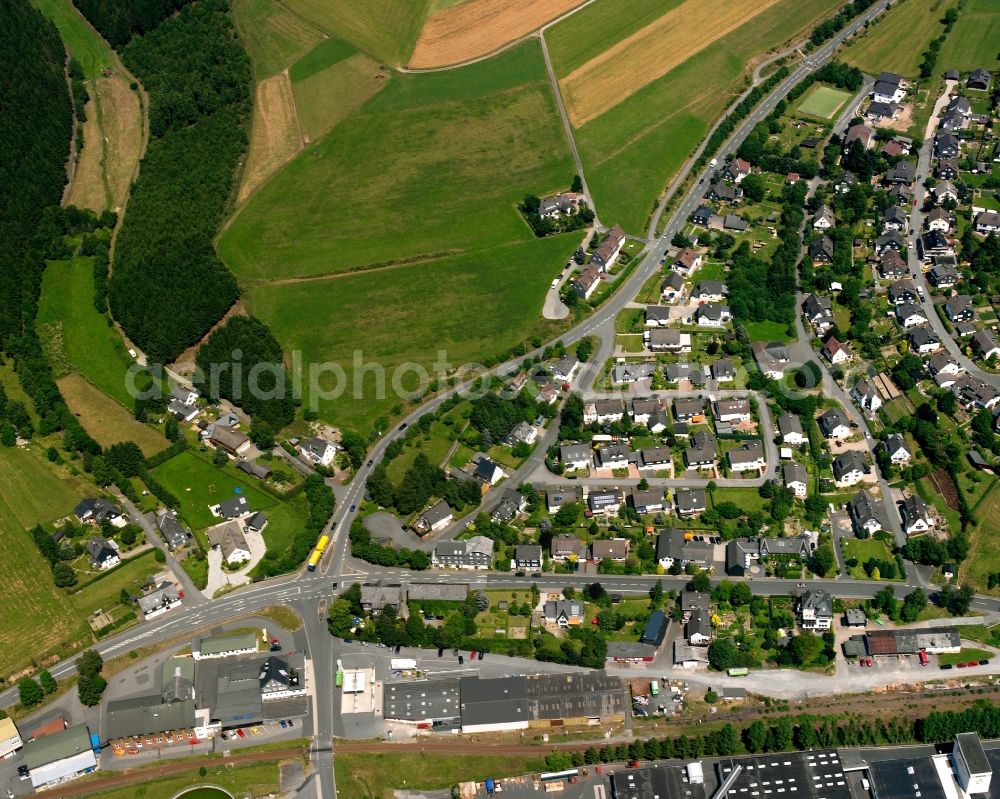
[(168, 287), (828, 28), (365, 547), (322, 503)]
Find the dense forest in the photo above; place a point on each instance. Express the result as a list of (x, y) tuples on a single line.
[(167, 286), (118, 22)]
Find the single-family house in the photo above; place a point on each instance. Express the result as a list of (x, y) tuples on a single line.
[(702, 452), (318, 450), (649, 500), (511, 503), (910, 314), (615, 549), (938, 219), (724, 193), (866, 395), (575, 457), (668, 340), (946, 145), (902, 172), (833, 423), (603, 411), (609, 249), (230, 440), (734, 410), (889, 88), (723, 370), (861, 133), (979, 81), (894, 218), (770, 358), (824, 218), (655, 458), (821, 250), (522, 433), (488, 472), (960, 309), (689, 502), (585, 283), (790, 430), (849, 468), (565, 547), (947, 169), (605, 503), (985, 345), (675, 547), (890, 240), (97, 510), (748, 456), (845, 182), (916, 515), (228, 538), (736, 170), (891, 265), (815, 610), (627, 373), (712, 314), (987, 222), (835, 352), (437, 517), (564, 612), (103, 553), (903, 290), (527, 556), (923, 339), (943, 277), (613, 456), (689, 409), (657, 315), (709, 291), (698, 629), (795, 478), (818, 311), (471, 553), (896, 448)]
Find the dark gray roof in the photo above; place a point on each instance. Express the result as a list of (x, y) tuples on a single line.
[(656, 628), (494, 701), (847, 462), (422, 700), (145, 715), (588, 694)]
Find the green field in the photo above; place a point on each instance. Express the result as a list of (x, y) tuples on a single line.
[(863, 550), (984, 553), (896, 42), (964, 655), (89, 344), (468, 306), (198, 484), (587, 33), (632, 152), (823, 101), (104, 594), (83, 43), (431, 166), (273, 36), (975, 40), (33, 491), (387, 29), (253, 779), (323, 56)]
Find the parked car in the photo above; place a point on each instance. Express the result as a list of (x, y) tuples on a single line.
[(370, 463), (289, 722), (283, 725), (240, 733), (984, 662), (461, 660), (22, 772), (945, 666)]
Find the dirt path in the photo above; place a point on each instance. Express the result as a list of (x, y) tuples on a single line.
[(186, 358)]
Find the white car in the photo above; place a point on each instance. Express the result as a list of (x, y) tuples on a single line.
[(554, 283)]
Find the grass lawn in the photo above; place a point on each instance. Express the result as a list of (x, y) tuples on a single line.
[(388, 29), (198, 484), (767, 331), (972, 43), (914, 22), (984, 553), (432, 166), (823, 101), (930, 495), (274, 37), (631, 151), (77, 336), (863, 550), (284, 520), (254, 779), (82, 41), (374, 776), (484, 304), (104, 593), (964, 655), (981, 633), (631, 320), (435, 445)]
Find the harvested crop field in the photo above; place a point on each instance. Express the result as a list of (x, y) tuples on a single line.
[(479, 27), (107, 421), (274, 36), (650, 53), (275, 137)]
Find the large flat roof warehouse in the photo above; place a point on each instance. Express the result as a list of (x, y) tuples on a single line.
[(593, 694), (494, 704), (60, 756), (422, 700), (650, 782), (145, 715), (803, 775)]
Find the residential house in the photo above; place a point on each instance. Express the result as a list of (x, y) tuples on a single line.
[(670, 340), (985, 345), (655, 458), (736, 170), (437, 517), (909, 315), (701, 217), (605, 503), (892, 266), (896, 448), (162, 598), (933, 244), (280, 680), (230, 440), (861, 133), (565, 368), (800, 546), (902, 172), (615, 549), (849, 468), (675, 547), (471, 553), (748, 456), (689, 502), (824, 218), (648, 500), (229, 509), (770, 358), (987, 222), (867, 396), (833, 423), (487, 472), (603, 411), (916, 515), (735, 223), (97, 510), (960, 105), (687, 261), (724, 193), (946, 145), (894, 218), (835, 352), (723, 370), (377, 596), (790, 430), (734, 410), (974, 393), (943, 277), (318, 451), (628, 373), (903, 291), (889, 88), (923, 339), (256, 522), (103, 553), (821, 250), (173, 532), (960, 309), (557, 498), (228, 538), (944, 190), (845, 182), (979, 81), (878, 111), (740, 556), (613, 456), (702, 452), (564, 612), (522, 433), (795, 478), (712, 314), (891, 239), (815, 610), (867, 514), (673, 287), (559, 204), (944, 369), (698, 629), (511, 504), (818, 311), (691, 372), (709, 291), (947, 169), (689, 409), (657, 315), (586, 282), (565, 547), (527, 556), (643, 411), (938, 219), (575, 457), (609, 249)]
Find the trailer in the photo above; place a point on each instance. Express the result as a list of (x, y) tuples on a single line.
[(403, 664)]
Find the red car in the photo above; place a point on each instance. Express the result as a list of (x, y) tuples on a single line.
[(472, 655), (869, 662), (962, 665), (240, 733)]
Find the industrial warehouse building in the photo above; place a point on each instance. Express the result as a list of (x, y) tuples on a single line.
[(508, 703), (934, 641), (60, 757)]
